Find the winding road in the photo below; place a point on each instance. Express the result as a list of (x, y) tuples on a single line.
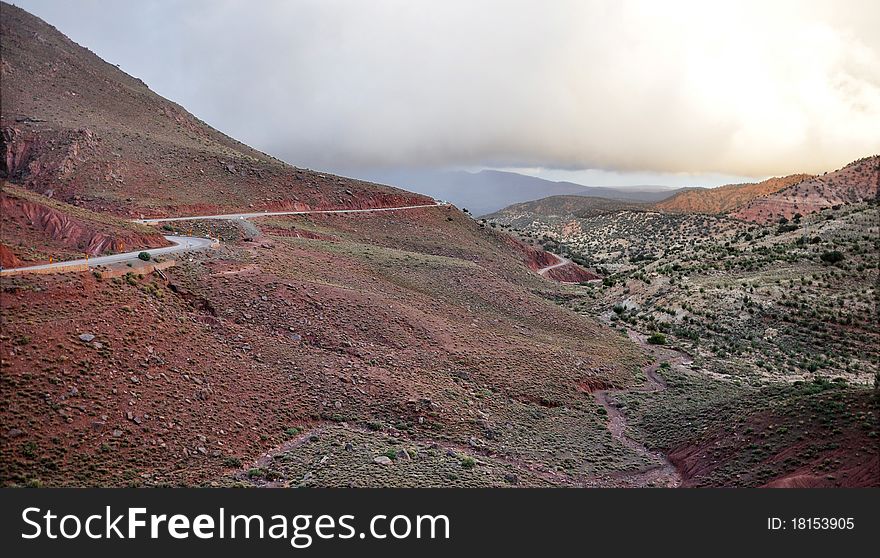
[(181, 244), (562, 261), (233, 216), (190, 243)]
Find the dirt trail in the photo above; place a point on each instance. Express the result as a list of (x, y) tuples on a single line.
[(664, 472), (661, 474)]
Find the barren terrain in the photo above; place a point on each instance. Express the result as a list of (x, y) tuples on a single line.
[(415, 347)]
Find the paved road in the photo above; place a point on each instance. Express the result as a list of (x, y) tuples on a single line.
[(187, 243), (273, 213), (181, 244)]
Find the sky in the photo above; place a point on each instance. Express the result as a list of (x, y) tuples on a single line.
[(597, 92)]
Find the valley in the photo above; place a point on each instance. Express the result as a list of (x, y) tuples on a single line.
[(241, 321)]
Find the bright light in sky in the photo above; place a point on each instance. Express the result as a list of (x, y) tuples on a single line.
[(744, 88)]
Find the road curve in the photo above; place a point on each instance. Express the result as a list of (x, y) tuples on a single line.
[(562, 261), (187, 243), (275, 213), (181, 244)]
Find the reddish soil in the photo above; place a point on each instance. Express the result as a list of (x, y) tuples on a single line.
[(8, 258), (725, 198), (34, 231), (856, 182), (534, 257), (852, 460), (392, 323), (570, 273)]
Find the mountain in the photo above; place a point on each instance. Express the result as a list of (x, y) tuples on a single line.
[(414, 333), (85, 132), (568, 206), (725, 198), (856, 182), (409, 347), (490, 190)]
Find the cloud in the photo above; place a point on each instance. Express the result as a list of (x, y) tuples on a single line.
[(746, 88)]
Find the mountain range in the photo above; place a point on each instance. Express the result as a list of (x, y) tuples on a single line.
[(490, 190)]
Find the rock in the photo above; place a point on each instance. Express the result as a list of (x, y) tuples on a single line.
[(129, 415), (117, 433), (510, 478), (382, 460), (98, 345), (15, 433), (86, 337), (202, 450), (349, 446)]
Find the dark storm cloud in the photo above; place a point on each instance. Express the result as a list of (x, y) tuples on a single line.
[(750, 88)]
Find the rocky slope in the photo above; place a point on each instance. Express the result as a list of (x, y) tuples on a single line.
[(34, 228), (725, 198), (859, 181), (334, 340), (92, 135)]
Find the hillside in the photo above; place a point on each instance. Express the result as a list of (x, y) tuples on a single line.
[(725, 198), (562, 206), (34, 228), (412, 347), (89, 134), (859, 181), (329, 340), (765, 332), (489, 190)]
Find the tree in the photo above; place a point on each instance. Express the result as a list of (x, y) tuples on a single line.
[(144, 256)]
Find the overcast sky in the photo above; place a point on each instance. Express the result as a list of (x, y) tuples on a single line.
[(651, 92)]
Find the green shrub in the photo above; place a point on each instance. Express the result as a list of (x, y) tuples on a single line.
[(144, 256), (832, 257), (657, 339)]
